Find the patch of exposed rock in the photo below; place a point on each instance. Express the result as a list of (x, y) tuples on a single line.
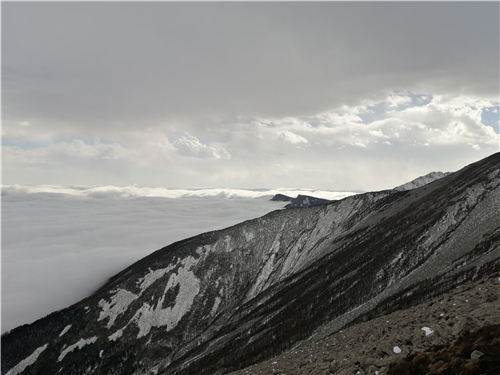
[(370, 347)]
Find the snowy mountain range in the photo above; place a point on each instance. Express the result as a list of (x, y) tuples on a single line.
[(224, 300)]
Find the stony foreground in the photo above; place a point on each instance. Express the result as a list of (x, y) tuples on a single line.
[(370, 347)]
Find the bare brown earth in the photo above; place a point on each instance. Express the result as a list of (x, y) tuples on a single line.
[(371, 347)]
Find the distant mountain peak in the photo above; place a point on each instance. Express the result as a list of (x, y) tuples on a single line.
[(281, 198), (421, 181), (299, 202)]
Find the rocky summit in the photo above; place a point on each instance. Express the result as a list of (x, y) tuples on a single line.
[(224, 300), (422, 180)]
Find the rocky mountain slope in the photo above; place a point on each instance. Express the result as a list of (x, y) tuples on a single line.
[(224, 300), (371, 347)]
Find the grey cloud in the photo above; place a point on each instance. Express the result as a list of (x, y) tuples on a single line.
[(141, 64)]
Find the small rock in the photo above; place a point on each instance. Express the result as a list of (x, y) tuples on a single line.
[(333, 368), (476, 354), (486, 323), (348, 371), (428, 331), (372, 370), (464, 323)]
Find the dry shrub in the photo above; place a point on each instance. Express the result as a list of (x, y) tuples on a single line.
[(454, 359)]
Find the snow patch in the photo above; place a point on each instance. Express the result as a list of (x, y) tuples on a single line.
[(118, 305), (227, 241), (80, 344), (189, 286), (216, 305), (249, 236), (21, 366), (152, 276), (116, 335), (66, 329)]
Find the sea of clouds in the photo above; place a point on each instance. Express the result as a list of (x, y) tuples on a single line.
[(61, 243)]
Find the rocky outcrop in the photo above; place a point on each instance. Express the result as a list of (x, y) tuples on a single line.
[(281, 198), (306, 201), (224, 300), (300, 201)]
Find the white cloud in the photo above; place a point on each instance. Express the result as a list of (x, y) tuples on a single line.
[(397, 100), (257, 152), (359, 144), (190, 146), (290, 137), (448, 120), (475, 147), (377, 133), (23, 130)]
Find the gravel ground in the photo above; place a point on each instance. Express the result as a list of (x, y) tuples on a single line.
[(370, 347)]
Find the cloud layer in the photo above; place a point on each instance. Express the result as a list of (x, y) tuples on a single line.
[(373, 146)]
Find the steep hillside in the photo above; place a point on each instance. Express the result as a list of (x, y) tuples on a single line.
[(224, 300), (391, 341)]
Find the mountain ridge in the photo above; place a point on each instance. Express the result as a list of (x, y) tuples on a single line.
[(260, 287), (422, 180)]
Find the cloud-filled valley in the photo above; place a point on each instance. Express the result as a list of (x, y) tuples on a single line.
[(59, 244)]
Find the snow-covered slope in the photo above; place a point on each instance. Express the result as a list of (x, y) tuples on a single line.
[(422, 180), (226, 299)]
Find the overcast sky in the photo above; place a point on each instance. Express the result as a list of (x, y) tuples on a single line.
[(324, 95)]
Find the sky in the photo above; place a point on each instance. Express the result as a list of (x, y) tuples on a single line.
[(323, 95)]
